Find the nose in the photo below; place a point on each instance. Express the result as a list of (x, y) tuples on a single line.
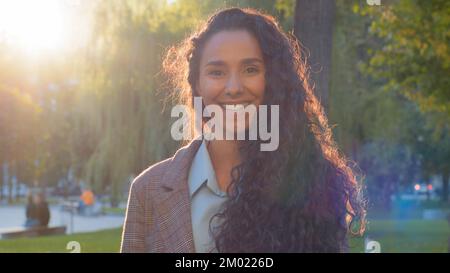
[(233, 87)]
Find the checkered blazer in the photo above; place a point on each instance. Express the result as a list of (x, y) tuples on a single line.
[(158, 217)]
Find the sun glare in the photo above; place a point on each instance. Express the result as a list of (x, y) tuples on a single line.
[(34, 26)]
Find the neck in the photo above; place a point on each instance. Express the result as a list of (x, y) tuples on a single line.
[(224, 155)]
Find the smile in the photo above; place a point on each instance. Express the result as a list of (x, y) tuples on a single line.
[(234, 107), (215, 129)]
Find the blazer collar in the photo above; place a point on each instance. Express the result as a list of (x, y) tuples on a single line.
[(177, 172)]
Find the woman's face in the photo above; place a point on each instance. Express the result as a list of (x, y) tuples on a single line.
[(232, 72)]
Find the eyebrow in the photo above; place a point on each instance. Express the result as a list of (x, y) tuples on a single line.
[(252, 60), (244, 61)]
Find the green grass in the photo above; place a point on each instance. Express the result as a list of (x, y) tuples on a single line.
[(406, 236), (100, 241), (393, 236)]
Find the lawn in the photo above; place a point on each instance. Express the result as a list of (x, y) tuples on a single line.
[(100, 241), (406, 236), (393, 236)]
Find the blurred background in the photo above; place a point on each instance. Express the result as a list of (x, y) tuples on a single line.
[(83, 110)]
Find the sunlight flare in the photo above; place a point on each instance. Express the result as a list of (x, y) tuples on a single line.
[(34, 25)]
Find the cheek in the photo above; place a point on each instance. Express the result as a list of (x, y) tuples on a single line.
[(210, 89), (257, 86)]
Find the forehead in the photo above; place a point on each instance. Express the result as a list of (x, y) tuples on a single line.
[(231, 47)]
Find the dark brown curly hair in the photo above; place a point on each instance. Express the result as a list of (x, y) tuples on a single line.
[(302, 197)]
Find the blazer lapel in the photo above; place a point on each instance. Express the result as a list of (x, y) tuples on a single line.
[(174, 204)]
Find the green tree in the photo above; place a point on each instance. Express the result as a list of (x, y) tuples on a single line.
[(375, 127), (18, 131), (414, 58)]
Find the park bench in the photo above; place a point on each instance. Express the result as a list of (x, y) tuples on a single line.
[(19, 232)]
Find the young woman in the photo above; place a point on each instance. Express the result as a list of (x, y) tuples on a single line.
[(229, 195)]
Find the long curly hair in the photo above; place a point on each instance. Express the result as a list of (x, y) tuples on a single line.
[(303, 197)]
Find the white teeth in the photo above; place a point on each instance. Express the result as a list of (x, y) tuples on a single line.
[(236, 107)]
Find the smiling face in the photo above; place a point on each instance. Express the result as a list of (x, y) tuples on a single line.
[(232, 71)]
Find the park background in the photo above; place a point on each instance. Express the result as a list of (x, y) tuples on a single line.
[(83, 105)]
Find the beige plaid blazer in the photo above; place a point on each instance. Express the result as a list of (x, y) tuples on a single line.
[(158, 217)]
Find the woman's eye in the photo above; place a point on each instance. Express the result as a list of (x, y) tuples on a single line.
[(251, 70), (215, 73)]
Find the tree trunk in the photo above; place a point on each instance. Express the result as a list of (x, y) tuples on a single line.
[(11, 173), (313, 26), (9, 180), (445, 177), (1, 181)]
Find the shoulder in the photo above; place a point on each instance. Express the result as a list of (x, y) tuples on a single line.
[(150, 177), (153, 177)]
